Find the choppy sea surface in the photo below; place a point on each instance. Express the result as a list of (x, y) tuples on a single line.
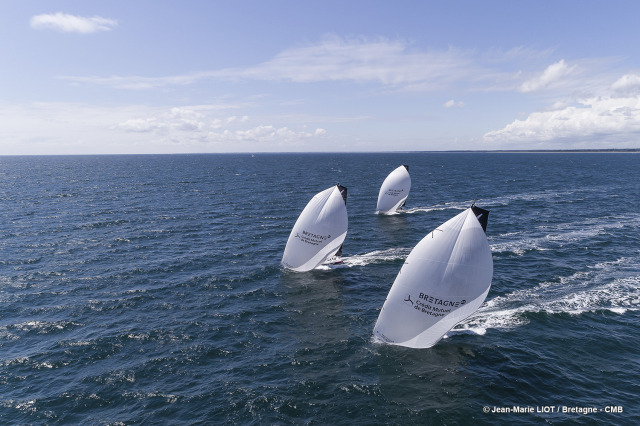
[(148, 290)]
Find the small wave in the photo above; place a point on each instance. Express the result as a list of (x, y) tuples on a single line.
[(169, 398), (519, 247), (28, 406), (40, 327), (547, 237)]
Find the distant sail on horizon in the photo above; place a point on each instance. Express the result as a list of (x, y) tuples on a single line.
[(444, 280), (394, 190), (319, 231)]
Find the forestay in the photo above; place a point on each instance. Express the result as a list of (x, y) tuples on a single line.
[(319, 231), (445, 278), (394, 190)]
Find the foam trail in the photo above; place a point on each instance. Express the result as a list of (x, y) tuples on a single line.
[(438, 207), (496, 201), (376, 256), (528, 196), (593, 290)]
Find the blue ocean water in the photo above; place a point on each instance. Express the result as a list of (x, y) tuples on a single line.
[(148, 290)]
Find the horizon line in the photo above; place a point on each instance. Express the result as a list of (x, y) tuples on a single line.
[(462, 151)]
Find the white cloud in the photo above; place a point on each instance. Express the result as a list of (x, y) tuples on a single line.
[(628, 84), (452, 103), (234, 118), (604, 118), (141, 125), (179, 118), (197, 123), (72, 24), (553, 74), (262, 134)]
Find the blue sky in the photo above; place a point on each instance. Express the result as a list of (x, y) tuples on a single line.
[(103, 77)]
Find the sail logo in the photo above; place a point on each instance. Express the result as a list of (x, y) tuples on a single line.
[(311, 238), (442, 302), (434, 306), (408, 299), (394, 192)]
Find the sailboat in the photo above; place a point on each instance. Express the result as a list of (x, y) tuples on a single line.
[(319, 232), (444, 280), (394, 191)]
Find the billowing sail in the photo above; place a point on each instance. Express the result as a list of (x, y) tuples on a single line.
[(394, 190), (445, 278), (319, 231)]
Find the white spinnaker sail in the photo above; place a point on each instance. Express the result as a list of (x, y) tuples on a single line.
[(319, 231), (445, 278), (394, 190)]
